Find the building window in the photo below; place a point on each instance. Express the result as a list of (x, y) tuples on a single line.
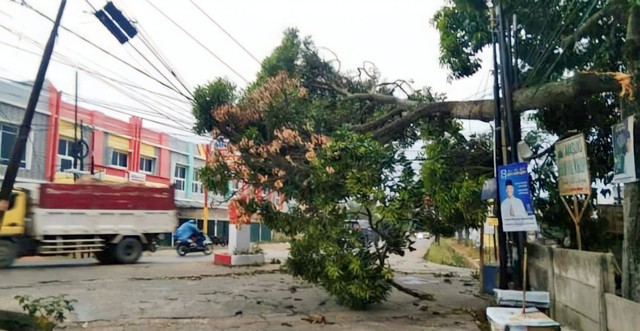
[(65, 154), (147, 164), (8, 137), (119, 159), (196, 184), (180, 177)]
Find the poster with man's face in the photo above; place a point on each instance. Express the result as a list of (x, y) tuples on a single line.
[(516, 206), (624, 166)]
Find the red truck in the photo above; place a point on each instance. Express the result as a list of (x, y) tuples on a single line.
[(116, 223)]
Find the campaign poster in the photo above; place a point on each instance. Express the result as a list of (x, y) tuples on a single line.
[(516, 205), (624, 165)]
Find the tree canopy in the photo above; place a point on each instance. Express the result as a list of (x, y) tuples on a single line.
[(325, 138), (569, 59)]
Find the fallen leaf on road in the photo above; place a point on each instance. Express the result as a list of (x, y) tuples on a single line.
[(85, 325), (286, 324), (239, 313)]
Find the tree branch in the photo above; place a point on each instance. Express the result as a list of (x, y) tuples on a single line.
[(608, 8), (582, 84), (421, 296)]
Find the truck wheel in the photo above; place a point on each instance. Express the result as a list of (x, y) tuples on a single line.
[(128, 251), (107, 256), (8, 253)]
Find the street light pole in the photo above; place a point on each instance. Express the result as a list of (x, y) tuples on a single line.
[(23, 134)]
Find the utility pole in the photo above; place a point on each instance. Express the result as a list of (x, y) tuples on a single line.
[(498, 160), (25, 127), (512, 124)]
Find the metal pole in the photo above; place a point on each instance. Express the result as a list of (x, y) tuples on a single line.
[(497, 138), (506, 84), (25, 127), (82, 139), (74, 149)]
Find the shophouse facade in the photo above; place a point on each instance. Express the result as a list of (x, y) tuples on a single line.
[(117, 151)]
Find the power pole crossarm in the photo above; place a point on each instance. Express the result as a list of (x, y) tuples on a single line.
[(25, 127)]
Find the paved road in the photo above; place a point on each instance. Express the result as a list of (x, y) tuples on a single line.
[(166, 292)]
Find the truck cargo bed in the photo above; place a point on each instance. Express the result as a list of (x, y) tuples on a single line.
[(92, 196), (77, 209)]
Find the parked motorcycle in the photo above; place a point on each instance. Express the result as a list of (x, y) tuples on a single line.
[(202, 244), (222, 241)]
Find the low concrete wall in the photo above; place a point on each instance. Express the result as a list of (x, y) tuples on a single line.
[(540, 267), (576, 282), (622, 314), (580, 281)]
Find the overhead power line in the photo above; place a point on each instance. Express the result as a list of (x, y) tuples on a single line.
[(102, 77), (64, 60), (197, 41), (225, 31), (106, 52)]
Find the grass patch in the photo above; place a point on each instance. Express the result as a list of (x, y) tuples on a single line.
[(443, 254)]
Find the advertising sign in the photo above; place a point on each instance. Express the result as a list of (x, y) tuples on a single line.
[(573, 169), (516, 205), (624, 166)]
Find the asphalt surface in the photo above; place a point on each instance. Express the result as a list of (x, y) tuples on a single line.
[(168, 292)]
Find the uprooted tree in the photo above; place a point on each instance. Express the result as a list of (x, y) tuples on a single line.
[(325, 138)]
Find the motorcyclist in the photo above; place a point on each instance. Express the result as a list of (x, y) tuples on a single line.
[(186, 231)]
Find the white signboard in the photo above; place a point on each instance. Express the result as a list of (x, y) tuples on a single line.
[(137, 177), (573, 168), (624, 165)]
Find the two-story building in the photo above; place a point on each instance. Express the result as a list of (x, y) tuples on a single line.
[(13, 102), (115, 151)]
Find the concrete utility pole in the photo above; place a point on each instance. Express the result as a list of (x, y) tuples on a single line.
[(25, 127), (512, 125)]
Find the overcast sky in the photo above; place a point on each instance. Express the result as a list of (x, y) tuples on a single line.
[(397, 36)]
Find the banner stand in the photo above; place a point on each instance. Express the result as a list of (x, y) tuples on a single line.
[(576, 214)]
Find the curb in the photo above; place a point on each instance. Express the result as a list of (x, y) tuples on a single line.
[(467, 259)]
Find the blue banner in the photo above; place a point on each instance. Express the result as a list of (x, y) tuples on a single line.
[(516, 205)]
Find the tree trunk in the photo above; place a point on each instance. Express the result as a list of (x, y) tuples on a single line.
[(460, 235), (467, 236), (630, 245), (631, 202)]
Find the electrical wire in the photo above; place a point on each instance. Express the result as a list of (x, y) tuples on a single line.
[(197, 41), (159, 57), (537, 65), (227, 33), (122, 91), (146, 40), (70, 63), (105, 51)]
